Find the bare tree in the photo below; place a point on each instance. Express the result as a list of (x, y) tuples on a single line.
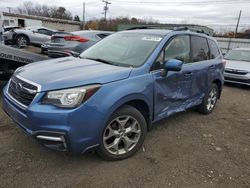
[(44, 10)]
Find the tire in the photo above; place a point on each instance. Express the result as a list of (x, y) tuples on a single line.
[(210, 100), (123, 134), (22, 41)]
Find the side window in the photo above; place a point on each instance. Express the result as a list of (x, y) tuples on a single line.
[(200, 50), (45, 32), (102, 35), (214, 50), (49, 32), (178, 48)]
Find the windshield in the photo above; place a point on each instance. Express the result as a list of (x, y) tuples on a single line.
[(125, 49), (239, 55)]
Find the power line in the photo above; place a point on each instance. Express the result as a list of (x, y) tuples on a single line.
[(183, 3)]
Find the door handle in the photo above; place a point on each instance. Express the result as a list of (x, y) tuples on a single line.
[(212, 66), (188, 74)]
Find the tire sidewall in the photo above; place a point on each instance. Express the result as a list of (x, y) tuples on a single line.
[(213, 86), (133, 112), (22, 36)]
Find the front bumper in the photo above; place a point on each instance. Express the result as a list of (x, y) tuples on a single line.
[(75, 130), (237, 79)]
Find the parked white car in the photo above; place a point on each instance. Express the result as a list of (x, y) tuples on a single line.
[(237, 68), (32, 35)]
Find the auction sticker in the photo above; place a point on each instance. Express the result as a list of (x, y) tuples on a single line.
[(152, 38)]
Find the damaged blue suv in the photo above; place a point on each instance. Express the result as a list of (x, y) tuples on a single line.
[(107, 99)]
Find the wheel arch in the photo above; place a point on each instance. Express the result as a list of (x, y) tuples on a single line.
[(219, 85), (139, 102), (21, 34)]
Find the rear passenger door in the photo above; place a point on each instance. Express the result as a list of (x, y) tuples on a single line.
[(199, 65)]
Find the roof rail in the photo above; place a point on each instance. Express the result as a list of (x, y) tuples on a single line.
[(185, 28), (139, 27), (182, 28)]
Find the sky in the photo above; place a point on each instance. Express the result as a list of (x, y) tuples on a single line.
[(221, 15)]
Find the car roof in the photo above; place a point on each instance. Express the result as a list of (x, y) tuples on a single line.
[(164, 32), (38, 27), (161, 32), (6, 27), (91, 31)]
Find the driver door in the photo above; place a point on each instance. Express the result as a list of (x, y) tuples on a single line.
[(172, 91)]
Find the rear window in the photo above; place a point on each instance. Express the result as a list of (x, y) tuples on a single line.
[(103, 35), (214, 50), (200, 50)]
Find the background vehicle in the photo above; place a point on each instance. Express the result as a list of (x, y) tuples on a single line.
[(32, 35), (238, 66), (8, 34), (108, 98), (65, 44), (12, 58)]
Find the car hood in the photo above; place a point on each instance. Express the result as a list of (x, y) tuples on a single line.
[(238, 65), (71, 72)]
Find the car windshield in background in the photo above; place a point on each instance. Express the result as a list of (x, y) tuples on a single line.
[(238, 55), (124, 49)]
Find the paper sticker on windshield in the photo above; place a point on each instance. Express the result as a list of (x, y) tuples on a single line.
[(151, 38)]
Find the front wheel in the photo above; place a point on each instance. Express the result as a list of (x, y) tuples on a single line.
[(209, 100), (123, 135)]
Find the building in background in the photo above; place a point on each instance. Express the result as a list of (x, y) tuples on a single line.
[(11, 19)]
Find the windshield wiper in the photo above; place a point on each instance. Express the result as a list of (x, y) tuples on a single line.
[(100, 60)]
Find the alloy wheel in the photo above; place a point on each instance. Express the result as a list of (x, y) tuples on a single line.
[(22, 41), (121, 135), (212, 98)]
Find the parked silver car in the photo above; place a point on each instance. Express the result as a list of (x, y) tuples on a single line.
[(237, 68), (65, 44), (32, 35)]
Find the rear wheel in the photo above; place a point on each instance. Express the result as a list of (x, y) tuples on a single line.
[(209, 100), (123, 135), (22, 41)]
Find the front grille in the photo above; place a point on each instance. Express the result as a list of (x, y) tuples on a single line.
[(247, 81), (234, 71), (22, 91)]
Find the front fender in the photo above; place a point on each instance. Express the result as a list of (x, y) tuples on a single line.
[(113, 95)]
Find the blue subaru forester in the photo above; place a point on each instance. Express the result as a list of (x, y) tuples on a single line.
[(107, 99)]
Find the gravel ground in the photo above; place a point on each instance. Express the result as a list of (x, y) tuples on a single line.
[(185, 150)]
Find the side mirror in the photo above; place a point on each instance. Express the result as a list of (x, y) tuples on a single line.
[(173, 65)]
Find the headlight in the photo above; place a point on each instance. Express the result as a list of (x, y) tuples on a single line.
[(70, 98)]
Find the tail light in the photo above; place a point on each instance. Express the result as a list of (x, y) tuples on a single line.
[(75, 38)]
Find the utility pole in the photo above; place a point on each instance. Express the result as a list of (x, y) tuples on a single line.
[(9, 9), (83, 16), (105, 8), (236, 30)]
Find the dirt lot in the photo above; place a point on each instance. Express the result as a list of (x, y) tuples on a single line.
[(186, 150)]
